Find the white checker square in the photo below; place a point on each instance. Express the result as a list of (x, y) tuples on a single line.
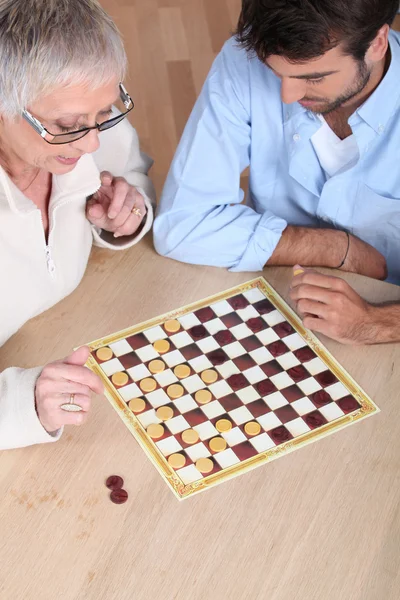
[(214, 325), (297, 427), (177, 424), (222, 308), (234, 436), (213, 409), (295, 341), (227, 458), (309, 386), (276, 400), (227, 369), (248, 313), (254, 295), (197, 451), (267, 336), (315, 366), (147, 353), (188, 321), (139, 372), (112, 366), (261, 355), (130, 391), (200, 363), (193, 383), (303, 406), (282, 380), (189, 474), (288, 360), (262, 442), (273, 318), (234, 350), (241, 415), (220, 389), (181, 339), (248, 394), (169, 445), (148, 418), (331, 411), (174, 358), (269, 421), (158, 398), (337, 391), (165, 378), (207, 345), (155, 333), (185, 404), (120, 348), (206, 430), (241, 331), (254, 374)]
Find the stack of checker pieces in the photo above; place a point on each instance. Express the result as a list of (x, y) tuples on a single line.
[(214, 387)]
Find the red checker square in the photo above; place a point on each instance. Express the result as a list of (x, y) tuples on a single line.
[(238, 302), (191, 351), (230, 402), (244, 362), (137, 341), (326, 378), (298, 373), (283, 329), (158, 386), (231, 320), (198, 332), (124, 384), (256, 324), (265, 387), (279, 435), (98, 360), (244, 451), (215, 420), (166, 434), (348, 404), (251, 343), (237, 382), (215, 469), (271, 368), (187, 458), (195, 417), (224, 337), (264, 307), (129, 360), (304, 354), (205, 314), (315, 419), (217, 357), (320, 398), (258, 408), (277, 348), (286, 413), (292, 393)]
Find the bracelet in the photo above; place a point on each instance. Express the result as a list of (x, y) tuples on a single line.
[(347, 251)]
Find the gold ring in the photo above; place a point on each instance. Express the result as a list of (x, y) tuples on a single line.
[(136, 211), (71, 406)]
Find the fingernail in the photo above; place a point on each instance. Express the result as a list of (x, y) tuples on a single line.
[(112, 215), (297, 270), (117, 235)]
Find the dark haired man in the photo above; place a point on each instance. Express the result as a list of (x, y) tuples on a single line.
[(308, 96)]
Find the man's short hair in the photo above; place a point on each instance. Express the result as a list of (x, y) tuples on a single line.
[(302, 30)]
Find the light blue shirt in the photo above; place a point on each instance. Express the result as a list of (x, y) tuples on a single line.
[(240, 120)]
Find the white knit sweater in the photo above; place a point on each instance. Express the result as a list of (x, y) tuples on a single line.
[(36, 275)]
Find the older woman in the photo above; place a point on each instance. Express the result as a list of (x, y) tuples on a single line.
[(71, 173)]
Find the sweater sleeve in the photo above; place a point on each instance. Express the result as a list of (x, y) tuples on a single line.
[(19, 423)]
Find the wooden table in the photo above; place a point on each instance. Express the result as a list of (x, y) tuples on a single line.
[(322, 523)]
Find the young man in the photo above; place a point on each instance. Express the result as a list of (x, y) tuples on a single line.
[(308, 96)]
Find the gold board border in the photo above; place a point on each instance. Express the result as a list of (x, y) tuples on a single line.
[(182, 491)]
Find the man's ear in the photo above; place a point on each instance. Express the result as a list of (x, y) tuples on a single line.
[(378, 48)]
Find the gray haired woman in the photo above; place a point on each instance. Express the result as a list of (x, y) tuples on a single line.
[(71, 173)]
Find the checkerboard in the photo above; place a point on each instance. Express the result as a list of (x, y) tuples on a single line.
[(270, 370)]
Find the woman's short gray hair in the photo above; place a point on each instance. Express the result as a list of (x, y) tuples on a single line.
[(45, 44)]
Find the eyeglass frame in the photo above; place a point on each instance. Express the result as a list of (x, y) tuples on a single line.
[(42, 131)]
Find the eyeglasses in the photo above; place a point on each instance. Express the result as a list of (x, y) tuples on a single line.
[(67, 138)]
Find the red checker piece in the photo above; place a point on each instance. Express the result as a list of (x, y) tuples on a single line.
[(119, 496), (237, 381), (304, 354), (258, 408), (292, 393), (320, 398), (114, 482), (198, 332), (315, 419), (230, 402), (265, 387), (138, 341), (326, 378), (283, 329), (244, 362), (238, 302), (217, 357), (256, 324), (280, 435), (224, 337), (277, 348), (271, 368), (205, 314), (251, 343), (244, 451), (348, 404), (298, 373)]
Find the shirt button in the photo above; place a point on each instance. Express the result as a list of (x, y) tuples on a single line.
[(296, 137), (381, 128)]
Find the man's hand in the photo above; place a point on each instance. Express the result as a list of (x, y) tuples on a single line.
[(364, 259), (330, 306), (111, 207)]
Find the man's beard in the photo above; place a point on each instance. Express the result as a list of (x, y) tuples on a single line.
[(360, 83)]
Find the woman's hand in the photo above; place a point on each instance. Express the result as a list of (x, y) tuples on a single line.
[(117, 206), (55, 385)]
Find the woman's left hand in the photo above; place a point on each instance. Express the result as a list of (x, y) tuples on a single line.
[(117, 206)]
